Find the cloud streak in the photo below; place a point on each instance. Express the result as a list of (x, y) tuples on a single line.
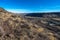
[(19, 10), (29, 11)]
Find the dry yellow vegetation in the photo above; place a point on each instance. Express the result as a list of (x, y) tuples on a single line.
[(13, 27)]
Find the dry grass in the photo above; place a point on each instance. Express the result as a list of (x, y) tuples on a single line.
[(13, 27)]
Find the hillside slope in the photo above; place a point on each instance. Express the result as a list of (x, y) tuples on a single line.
[(13, 27)]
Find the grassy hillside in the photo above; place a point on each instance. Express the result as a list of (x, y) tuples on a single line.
[(15, 27)]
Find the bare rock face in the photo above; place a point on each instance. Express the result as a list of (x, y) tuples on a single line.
[(13, 27)]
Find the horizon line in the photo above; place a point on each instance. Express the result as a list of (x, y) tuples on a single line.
[(29, 11)]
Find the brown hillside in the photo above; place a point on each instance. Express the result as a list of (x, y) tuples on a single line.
[(13, 27)]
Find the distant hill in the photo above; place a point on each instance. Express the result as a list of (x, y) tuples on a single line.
[(57, 14)]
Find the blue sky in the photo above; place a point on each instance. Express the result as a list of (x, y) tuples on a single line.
[(23, 6)]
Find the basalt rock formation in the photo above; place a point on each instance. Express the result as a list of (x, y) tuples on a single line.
[(13, 27)]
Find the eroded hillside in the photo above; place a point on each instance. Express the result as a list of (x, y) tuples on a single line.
[(13, 27)]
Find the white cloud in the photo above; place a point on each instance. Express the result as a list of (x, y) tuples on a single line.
[(29, 11), (19, 10)]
